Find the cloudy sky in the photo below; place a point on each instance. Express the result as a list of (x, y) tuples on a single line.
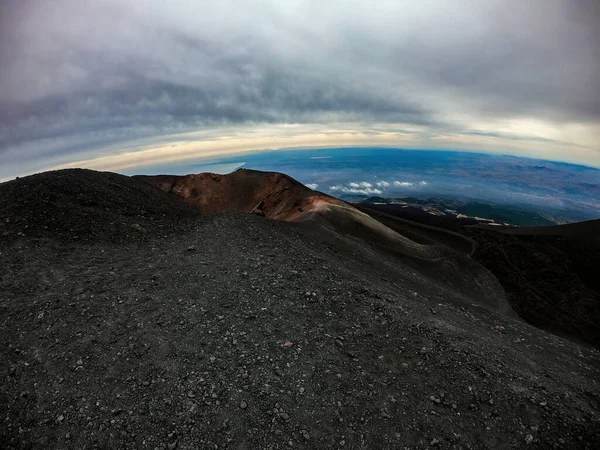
[(113, 84)]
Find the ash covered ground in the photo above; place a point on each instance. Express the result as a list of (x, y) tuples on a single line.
[(129, 320)]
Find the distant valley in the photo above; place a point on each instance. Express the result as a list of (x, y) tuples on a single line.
[(465, 211), (498, 188)]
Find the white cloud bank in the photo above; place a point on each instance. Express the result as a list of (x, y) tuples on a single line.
[(367, 188), (363, 188), (360, 184)]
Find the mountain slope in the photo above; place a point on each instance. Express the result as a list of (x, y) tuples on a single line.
[(234, 331), (550, 274), (585, 232), (78, 204), (278, 196), (274, 195)]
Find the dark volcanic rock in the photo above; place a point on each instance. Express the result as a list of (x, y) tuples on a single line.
[(550, 280), (86, 205), (550, 274), (140, 343)]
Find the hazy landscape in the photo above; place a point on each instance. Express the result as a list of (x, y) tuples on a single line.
[(528, 192)]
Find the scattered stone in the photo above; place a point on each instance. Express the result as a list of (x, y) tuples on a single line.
[(143, 341)]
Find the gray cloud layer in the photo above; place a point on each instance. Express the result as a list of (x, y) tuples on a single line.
[(76, 74)]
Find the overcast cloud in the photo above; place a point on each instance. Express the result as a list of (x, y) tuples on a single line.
[(82, 80)]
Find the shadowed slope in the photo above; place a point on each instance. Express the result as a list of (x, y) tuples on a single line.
[(79, 204), (585, 232), (549, 274), (423, 233)]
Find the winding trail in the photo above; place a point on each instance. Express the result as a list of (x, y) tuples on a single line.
[(424, 234)]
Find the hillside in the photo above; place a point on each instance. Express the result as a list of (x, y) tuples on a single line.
[(278, 196), (273, 195), (231, 330), (549, 273), (85, 205)]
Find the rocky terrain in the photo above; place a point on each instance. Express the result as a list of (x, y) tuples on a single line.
[(273, 195), (549, 274), (129, 320), (551, 281)]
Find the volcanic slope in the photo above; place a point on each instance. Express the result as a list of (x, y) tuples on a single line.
[(230, 330), (549, 274), (274, 195), (278, 196)]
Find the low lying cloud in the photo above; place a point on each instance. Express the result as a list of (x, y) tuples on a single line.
[(367, 188), (360, 184), (363, 188), (312, 186), (396, 183)]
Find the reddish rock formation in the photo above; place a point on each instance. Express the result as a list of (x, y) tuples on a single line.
[(269, 194)]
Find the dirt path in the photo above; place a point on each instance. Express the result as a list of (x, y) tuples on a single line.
[(424, 233)]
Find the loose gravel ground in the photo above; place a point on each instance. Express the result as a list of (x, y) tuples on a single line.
[(235, 332)]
